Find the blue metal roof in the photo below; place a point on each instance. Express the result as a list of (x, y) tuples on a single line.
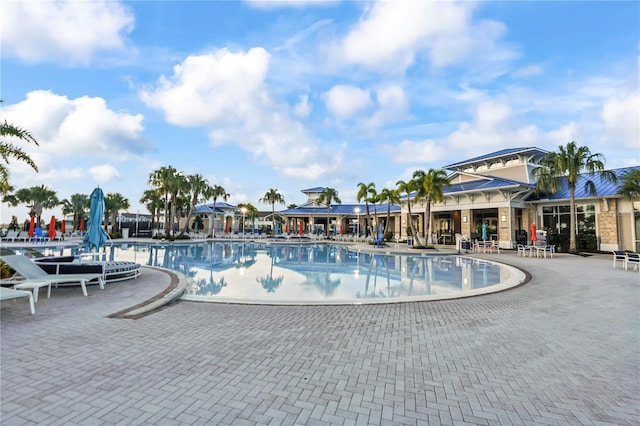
[(507, 152), (491, 182), (604, 188), (316, 189), (208, 208), (341, 209)]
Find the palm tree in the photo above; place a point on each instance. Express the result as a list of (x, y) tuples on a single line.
[(113, 203), (163, 179), (390, 196), (9, 150), (272, 196), (630, 184), (408, 188), (37, 198), (326, 197), (199, 188), (364, 192), (76, 205), (430, 187), (217, 192), (153, 201), (569, 163), (251, 213)]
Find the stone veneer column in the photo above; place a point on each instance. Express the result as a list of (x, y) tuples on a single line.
[(606, 217), (504, 228), (465, 227)]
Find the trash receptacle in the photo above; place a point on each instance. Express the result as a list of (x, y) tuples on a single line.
[(409, 241), (125, 233)]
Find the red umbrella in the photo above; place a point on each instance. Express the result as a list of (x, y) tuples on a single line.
[(286, 228), (52, 228), (300, 228), (226, 227), (32, 227), (63, 226), (81, 226), (533, 233)]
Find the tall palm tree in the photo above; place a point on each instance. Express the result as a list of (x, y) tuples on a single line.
[(326, 197), (630, 184), (153, 201), (251, 213), (37, 198), (9, 150), (408, 188), (76, 205), (113, 203), (569, 163), (364, 193), (390, 196), (177, 186), (217, 192), (200, 190), (430, 186), (272, 196), (162, 179)]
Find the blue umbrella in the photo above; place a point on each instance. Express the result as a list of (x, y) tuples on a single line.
[(484, 231), (95, 236)]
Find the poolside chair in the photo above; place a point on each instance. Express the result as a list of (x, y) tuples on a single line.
[(632, 259), (11, 236), (8, 294), (378, 241), (39, 235), (618, 256), (30, 271)]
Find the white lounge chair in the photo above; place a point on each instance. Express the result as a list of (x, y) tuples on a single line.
[(30, 271), (11, 236), (9, 293), (618, 256), (632, 259)]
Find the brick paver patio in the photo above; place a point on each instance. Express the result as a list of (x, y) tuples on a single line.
[(563, 349)]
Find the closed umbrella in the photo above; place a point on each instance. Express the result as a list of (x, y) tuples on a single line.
[(32, 227), (300, 228), (484, 231), (534, 237), (63, 227), (81, 226), (95, 236), (52, 228)]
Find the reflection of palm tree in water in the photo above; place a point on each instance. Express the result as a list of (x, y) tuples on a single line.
[(377, 261), (210, 287), (268, 282)]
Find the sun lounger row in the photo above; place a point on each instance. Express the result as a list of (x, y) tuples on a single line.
[(627, 260)]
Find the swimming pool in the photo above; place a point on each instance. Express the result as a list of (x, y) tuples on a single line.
[(248, 272), (303, 273)]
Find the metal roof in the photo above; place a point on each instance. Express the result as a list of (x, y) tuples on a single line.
[(604, 188), (491, 182), (507, 152), (341, 209), (316, 189)]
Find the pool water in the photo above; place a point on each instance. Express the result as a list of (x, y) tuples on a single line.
[(250, 272)]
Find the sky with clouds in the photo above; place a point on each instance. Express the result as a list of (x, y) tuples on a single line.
[(296, 94)]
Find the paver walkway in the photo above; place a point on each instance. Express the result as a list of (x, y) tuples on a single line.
[(563, 349)]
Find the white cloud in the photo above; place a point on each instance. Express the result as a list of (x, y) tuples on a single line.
[(392, 106), (528, 71), (81, 127), (217, 88), (344, 101), (104, 173), (226, 92), (275, 4), (622, 120), (302, 108), (391, 34), (412, 152), (67, 32)]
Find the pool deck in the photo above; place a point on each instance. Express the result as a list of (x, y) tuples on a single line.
[(562, 349)]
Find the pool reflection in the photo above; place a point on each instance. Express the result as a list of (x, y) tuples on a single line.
[(243, 271)]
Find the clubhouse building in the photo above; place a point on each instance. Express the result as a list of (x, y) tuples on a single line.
[(496, 190)]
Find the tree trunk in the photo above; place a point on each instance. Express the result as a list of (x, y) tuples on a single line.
[(427, 218)]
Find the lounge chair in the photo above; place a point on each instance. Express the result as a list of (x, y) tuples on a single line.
[(39, 235), (30, 271), (11, 236), (618, 256), (9, 293), (632, 259), (379, 240)]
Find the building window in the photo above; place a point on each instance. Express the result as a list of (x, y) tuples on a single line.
[(557, 218)]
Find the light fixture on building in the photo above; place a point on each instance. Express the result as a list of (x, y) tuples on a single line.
[(504, 218), (464, 219)]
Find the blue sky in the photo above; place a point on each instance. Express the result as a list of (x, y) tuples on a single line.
[(292, 95)]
